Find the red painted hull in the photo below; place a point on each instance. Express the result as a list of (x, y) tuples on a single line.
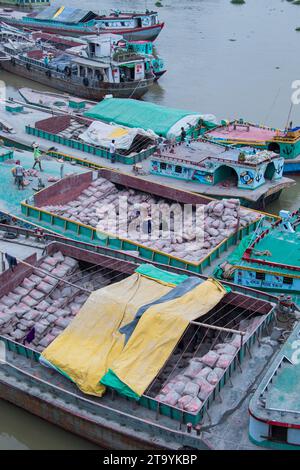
[(147, 33)]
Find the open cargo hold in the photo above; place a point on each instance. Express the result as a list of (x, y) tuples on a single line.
[(94, 137), (162, 120), (222, 326), (55, 210)]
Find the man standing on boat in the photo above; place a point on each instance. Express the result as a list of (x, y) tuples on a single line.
[(19, 173), (182, 135), (37, 156), (112, 151)]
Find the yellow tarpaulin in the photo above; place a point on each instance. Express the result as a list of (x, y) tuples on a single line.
[(158, 332), (90, 344)]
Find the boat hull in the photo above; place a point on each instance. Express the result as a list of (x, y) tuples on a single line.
[(106, 426), (126, 90), (147, 33)]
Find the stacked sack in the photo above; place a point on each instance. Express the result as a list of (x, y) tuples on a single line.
[(98, 206), (42, 302), (189, 389)]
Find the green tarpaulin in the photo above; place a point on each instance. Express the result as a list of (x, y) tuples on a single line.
[(140, 114)]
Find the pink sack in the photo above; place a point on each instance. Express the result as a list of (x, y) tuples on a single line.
[(7, 301), (20, 291), (204, 372), (184, 401), (212, 378), (50, 280), (194, 405), (219, 372), (191, 388), (27, 284), (37, 295), (51, 260), (225, 348), (29, 301), (171, 398), (176, 386), (45, 287), (205, 391), (193, 369), (210, 358), (225, 361)]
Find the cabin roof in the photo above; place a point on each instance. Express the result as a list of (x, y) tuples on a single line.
[(65, 14), (244, 132), (90, 62), (283, 249), (200, 150)]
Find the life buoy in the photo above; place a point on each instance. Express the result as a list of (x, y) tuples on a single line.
[(13, 61), (48, 73), (28, 66), (86, 81)]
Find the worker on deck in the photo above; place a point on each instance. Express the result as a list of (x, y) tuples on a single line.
[(182, 135), (112, 151), (37, 156), (19, 173)]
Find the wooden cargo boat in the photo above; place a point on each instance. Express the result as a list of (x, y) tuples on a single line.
[(113, 421), (122, 75), (268, 258), (274, 408), (70, 21)]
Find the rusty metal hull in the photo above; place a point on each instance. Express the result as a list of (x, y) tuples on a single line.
[(125, 90), (106, 427)]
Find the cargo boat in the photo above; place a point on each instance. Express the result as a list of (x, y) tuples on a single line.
[(274, 408), (70, 21), (114, 421), (121, 75), (267, 259), (256, 180)]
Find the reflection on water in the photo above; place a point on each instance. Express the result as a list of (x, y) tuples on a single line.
[(229, 60), (21, 430)]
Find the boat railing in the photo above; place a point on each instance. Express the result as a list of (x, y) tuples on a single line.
[(129, 258), (93, 83), (95, 410)]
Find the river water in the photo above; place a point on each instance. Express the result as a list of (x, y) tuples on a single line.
[(229, 60)]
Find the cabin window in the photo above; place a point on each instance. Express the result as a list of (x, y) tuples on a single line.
[(288, 280), (178, 169), (278, 433), (261, 276), (163, 166)]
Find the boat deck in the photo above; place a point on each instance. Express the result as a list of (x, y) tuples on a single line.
[(249, 197), (244, 133), (277, 396), (10, 196)]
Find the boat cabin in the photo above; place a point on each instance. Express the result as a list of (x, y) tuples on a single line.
[(123, 20), (268, 260), (214, 164), (240, 133), (275, 408)]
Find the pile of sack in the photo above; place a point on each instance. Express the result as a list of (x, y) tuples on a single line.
[(156, 222), (45, 303), (189, 389)]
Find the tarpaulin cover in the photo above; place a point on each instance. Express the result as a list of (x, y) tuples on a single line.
[(65, 14), (89, 345), (155, 337), (175, 293), (100, 133), (141, 114)]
